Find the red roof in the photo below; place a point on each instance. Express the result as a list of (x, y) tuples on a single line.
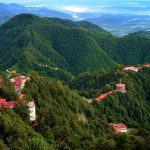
[(118, 128), (147, 65), (103, 96), (120, 85), (18, 81), (17, 87), (9, 104), (132, 68), (2, 101), (99, 98), (19, 78), (21, 96), (5, 104)]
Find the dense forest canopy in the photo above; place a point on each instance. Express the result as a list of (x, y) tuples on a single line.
[(66, 121), (63, 48), (68, 63)]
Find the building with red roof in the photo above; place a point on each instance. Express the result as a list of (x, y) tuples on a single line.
[(2, 102), (132, 68), (9, 104), (5, 104), (21, 96), (118, 128), (147, 65), (19, 82), (121, 87)]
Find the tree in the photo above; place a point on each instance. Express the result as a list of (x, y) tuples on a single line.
[(37, 144)]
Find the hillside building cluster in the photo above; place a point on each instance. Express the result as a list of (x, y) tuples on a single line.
[(19, 83), (120, 87), (117, 128)]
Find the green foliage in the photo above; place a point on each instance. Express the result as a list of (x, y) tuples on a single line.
[(73, 52), (3, 146), (6, 89), (60, 44), (36, 144), (145, 34), (65, 47), (128, 50), (131, 107), (59, 110)]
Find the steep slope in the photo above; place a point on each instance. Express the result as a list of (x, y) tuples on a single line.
[(144, 34), (132, 106), (28, 41), (66, 47), (66, 121), (127, 50)]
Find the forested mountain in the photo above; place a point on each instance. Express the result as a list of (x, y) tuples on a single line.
[(145, 34), (65, 64), (128, 50), (55, 46), (66, 121), (132, 106), (28, 41)]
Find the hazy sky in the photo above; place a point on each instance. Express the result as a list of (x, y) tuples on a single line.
[(129, 6)]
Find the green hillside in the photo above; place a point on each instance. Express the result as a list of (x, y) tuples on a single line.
[(80, 25), (128, 50), (66, 121), (132, 105), (145, 34), (28, 41), (65, 47)]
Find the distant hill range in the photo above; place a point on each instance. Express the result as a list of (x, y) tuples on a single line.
[(9, 10), (118, 24), (122, 24)]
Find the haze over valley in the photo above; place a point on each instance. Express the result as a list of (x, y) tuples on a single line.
[(120, 19)]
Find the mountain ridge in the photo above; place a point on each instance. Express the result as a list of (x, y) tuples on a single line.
[(71, 46), (39, 31)]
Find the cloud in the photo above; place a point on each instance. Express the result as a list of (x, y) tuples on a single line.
[(104, 6), (75, 16), (39, 5), (76, 9), (84, 9)]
